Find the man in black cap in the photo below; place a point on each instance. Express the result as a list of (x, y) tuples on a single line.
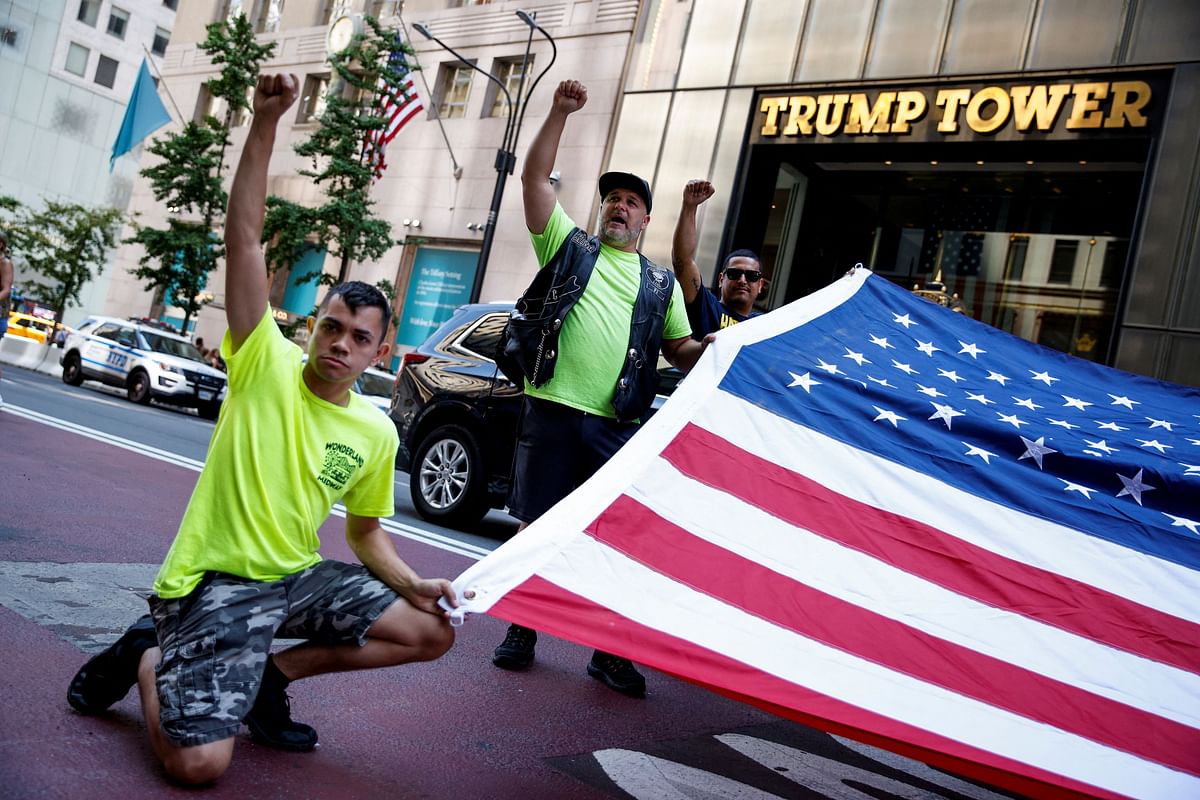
[(604, 356)]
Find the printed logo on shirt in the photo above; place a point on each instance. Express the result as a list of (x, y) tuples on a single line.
[(658, 280), (340, 463)]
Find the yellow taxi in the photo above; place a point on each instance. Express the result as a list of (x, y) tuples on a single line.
[(31, 327)]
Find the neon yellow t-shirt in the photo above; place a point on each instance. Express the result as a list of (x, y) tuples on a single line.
[(591, 347), (279, 458)]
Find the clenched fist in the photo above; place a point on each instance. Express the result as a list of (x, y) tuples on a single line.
[(274, 94), (570, 96), (696, 192)]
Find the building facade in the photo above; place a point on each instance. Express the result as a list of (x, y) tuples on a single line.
[(67, 69), (1039, 154)]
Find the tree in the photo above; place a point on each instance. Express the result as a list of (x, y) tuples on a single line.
[(345, 224), (187, 180), (66, 244)]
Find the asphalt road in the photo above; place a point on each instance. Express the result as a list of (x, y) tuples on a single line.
[(91, 490)]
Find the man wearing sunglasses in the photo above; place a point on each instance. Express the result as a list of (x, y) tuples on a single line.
[(741, 276)]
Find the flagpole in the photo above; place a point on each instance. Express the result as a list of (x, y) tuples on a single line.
[(432, 106), (162, 81)]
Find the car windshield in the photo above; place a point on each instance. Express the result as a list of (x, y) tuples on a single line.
[(378, 385), (172, 347)]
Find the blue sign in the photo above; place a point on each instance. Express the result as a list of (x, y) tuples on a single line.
[(441, 282)]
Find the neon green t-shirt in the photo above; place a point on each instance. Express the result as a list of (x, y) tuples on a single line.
[(591, 347), (279, 458)]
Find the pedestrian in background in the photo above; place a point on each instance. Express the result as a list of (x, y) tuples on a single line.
[(291, 441), (6, 285), (740, 281)]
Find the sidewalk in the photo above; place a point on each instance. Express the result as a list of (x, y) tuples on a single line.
[(18, 351)]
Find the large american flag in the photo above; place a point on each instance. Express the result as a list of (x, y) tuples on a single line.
[(872, 515), (398, 103)]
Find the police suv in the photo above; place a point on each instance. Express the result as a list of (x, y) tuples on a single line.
[(151, 363)]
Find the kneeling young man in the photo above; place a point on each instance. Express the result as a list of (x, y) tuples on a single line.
[(291, 441)]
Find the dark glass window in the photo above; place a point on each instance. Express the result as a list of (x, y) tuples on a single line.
[(1014, 264), (89, 12), (1115, 253), (486, 336), (161, 38), (1062, 263), (106, 71), (118, 21)]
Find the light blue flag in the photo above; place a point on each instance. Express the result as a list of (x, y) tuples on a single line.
[(143, 116)]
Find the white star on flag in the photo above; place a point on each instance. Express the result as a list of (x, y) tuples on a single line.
[(1183, 522), (1075, 402), (881, 381), (1157, 445), (1075, 487), (998, 378), (1160, 423), (832, 369), (979, 398), (903, 319), (970, 349), (1190, 469), (1036, 450), (805, 381), (1027, 402), (1044, 377), (944, 413), (927, 348), (905, 368), (1119, 400), (1101, 445), (949, 375), (1134, 487), (1011, 419), (929, 390), (890, 416), (1062, 423), (972, 450), (857, 358), (1112, 426), (882, 342)]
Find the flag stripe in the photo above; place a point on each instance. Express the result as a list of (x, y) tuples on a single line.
[(552, 609), (925, 551), (646, 537), (1034, 540), (879, 587)]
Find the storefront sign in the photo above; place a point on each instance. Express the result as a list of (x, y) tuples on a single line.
[(1022, 108)]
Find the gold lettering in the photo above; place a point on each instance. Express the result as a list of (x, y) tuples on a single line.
[(951, 99), (771, 106), (1124, 109), (800, 118), (910, 107), (989, 94), (1085, 111), (1044, 102), (830, 108), (869, 119)]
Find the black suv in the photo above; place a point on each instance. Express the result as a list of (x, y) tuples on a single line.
[(457, 417)]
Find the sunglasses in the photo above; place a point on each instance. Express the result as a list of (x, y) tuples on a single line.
[(752, 275)]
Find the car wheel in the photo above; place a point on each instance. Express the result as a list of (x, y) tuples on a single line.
[(447, 482), (138, 388), (72, 369), (208, 410)]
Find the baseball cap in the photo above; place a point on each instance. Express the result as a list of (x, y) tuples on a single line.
[(625, 180)]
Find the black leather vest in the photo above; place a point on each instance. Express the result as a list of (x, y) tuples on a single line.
[(528, 348)]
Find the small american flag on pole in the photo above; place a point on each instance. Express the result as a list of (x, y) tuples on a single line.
[(889, 521), (398, 103)]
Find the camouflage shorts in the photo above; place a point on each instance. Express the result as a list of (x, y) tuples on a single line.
[(215, 641)]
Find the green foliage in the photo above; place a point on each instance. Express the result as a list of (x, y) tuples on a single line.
[(64, 244), (345, 224), (178, 258)]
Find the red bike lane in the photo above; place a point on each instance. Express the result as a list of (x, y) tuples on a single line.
[(71, 506)]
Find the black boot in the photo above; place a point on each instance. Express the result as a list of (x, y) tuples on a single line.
[(270, 718), (516, 651), (617, 673), (108, 677)]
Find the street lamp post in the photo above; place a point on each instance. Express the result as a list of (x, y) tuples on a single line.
[(506, 159)]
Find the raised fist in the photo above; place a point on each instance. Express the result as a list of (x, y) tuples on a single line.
[(274, 94), (696, 192), (570, 96)]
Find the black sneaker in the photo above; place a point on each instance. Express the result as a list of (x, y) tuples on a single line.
[(270, 718), (617, 673), (108, 676), (516, 651)]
